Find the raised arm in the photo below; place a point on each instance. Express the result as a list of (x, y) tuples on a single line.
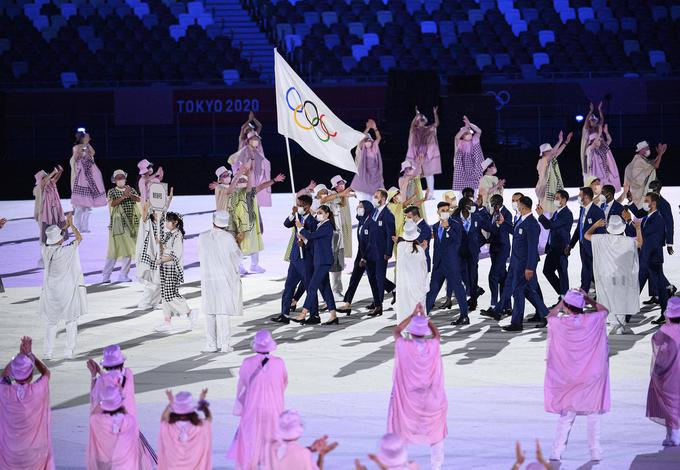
[(589, 233), (60, 171), (402, 326), (166, 412), (267, 184), (378, 137), (660, 150), (560, 146), (469, 125), (76, 232), (607, 136), (436, 116)]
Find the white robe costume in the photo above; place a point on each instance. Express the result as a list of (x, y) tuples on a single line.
[(615, 268), (147, 251), (412, 279), (221, 293), (63, 295)]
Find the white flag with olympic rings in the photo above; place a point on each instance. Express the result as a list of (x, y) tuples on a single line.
[(303, 117)]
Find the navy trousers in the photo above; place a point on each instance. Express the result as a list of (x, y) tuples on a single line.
[(525, 290), (497, 273), (377, 273), (453, 282), (556, 271), (319, 282), (297, 274)]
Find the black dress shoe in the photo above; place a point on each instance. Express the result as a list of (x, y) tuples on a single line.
[(281, 319), (535, 318), (292, 308), (370, 307), (542, 324), (512, 327), (490, 313), (334, 321), (394, 297), (446, 305), (377, 312), (298, 321), (480, 291), (660, 321), (346, 311), (651, 301), (672, 290), (461, 321), (311, 321), (472, 304), (507, 312)]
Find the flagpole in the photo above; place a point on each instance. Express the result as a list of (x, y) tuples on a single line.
[(292, 186)]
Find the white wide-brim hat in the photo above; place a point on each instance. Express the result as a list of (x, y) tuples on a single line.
[(53, 235), (319, 187), (118, 173), (221, 170), (411, 231), (221, 219), (544, 148), (392, 450), (405, 164), (641, 145), (290, 426), (616, 225), (486, 164)]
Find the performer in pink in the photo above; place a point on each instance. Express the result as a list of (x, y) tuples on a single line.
[(87, 184), (25, 441), (114, 434), (663, 395), (250, 150), (286, 452), (48, 210), (468, 157), (185, 441), (600, 159), (577, 368), (423, 148), (259, 402), (369, 176), (393, 455), (147, 177), (418, 405)]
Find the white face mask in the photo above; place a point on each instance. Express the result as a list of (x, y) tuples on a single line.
[(120, 183), (472, 209), (645, 206), (515, 207), (444, 215), (360, 211), (376, 202), (301, 210), (169, 226), (580, 203), (559, 203), (320, 217)]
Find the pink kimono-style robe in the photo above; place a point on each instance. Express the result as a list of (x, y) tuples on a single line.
[(369, 176), (577, 366), (25, 441), (291, 455), (114, 442), (183, 446), (146, 182), (259, 402), (261, 168), (423, 141), (663, 395), (418, 404)]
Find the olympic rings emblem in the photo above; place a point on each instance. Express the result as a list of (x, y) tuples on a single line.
[(502, 98), (311, 114)]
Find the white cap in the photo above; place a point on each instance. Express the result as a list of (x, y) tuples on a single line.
[(406, 164), (486, 164), (221, 219), (544, 148), (53, 235), (641, 145), (616, 225), (220, 170), (336, 180)]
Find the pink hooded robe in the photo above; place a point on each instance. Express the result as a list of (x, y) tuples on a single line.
[(663, 395), (259, 402), (261, 168), (25, 441), (183, 446), (291, 455), (418, 404), (423, 141), (577, 365), (114, 442), (369, 176), (601, 163)]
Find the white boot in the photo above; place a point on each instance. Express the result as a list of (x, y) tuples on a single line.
[(594, 437), (437, 455), (255, 264), (564, 424)]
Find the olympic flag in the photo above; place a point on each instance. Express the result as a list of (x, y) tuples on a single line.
[(303, 117)]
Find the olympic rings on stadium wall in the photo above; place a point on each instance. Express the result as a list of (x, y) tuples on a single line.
[(314, 120)]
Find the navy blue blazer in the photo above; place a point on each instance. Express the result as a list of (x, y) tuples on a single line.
[(322, 238), (616, 208), (525, 244), (664, 208), (653, 236), (500, 235), (472, 240), (308, 250), (380, 233), (425, 234), (445, 251), (559, 225), (594, 214)]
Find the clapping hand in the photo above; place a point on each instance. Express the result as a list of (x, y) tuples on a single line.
[(560, 136), (370, 124), (539, 456), (519, 454), (213, 185), (93, 367), (280, 177), (661, 149), (26, 346), (466, 121), (204, 393), (322, 446), (3, 221)]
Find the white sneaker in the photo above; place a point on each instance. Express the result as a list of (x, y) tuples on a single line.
[(163, 328), (257, 269), (193, 318), (69, 355), (144, 306), (242, 271), (47, 357), (124, 279), (227, 349), (595, 455), (211, 348)]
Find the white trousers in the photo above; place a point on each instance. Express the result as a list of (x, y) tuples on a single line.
[(175, 307), (672, 436), (217, 332), (151, 296), (81, 218), (51, 336), (111, 263), (430, 186), (437, 455), (254, 259), (336, 282), (564, 424)]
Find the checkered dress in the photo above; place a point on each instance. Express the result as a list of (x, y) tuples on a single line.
[(467, 164), (144, 257), (172, 273)]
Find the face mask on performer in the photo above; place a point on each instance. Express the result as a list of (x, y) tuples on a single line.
[(120, 182), (301, 210), (515, 207), (360, 211), (320, 216), (444, 214)]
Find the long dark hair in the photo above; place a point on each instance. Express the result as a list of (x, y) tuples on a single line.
[(115, 412), (414, 243), (329, 214), (175, 217), (192, 417)]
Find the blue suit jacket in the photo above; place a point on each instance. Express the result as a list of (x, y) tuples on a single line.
[(653, 236), (664, 208), (425, 234), (445, 251), (500, 235), (308, 250), (594, 214), (616, 208), (472, 240), (322, 238), (380, 233), (362, 236), (560, 228), (525, 244)]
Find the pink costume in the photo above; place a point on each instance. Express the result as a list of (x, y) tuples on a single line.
[(261, 168), (25, 441), (422, 140), (114, 442), (183, 446), (369, 176), (663, 396), (125, 380), (50, 211), (146, 181), (467, 163), (601, 163), (291, 455), (418, 405), (259, 402), (87, 187)]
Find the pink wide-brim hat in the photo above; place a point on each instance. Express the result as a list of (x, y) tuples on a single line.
[(336, 180), (418, 326), (404, 165), (574, 298), (21, 367), (673, 308), (392, 450), (221, 170), (111, 398), (144, 166), (183, 404), (263, 342), (39, 176), (290, 427), (112, 356)]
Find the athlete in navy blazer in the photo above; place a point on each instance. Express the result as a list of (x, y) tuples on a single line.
[(301, 265), (588, 215), (499, 246), (424, 230), (611, 206), (380, 226), (446, 238), (471, 244), (556, 261)]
